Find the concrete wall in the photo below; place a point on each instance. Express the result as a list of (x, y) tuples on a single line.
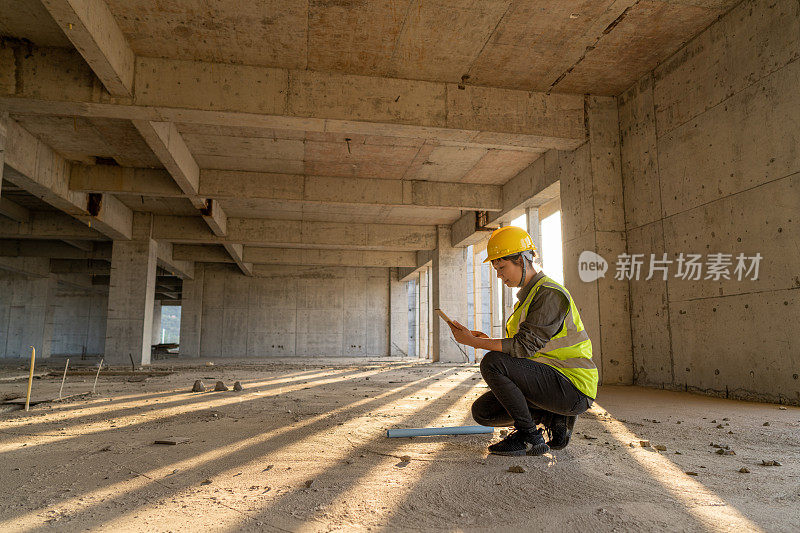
[(593, 220), (25, 318), (282, 311), (79, 322), (711, 164)]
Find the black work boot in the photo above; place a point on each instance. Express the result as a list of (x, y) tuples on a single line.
[(560, 430), (521, 442)]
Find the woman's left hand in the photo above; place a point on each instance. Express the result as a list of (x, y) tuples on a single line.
[(461, 333)]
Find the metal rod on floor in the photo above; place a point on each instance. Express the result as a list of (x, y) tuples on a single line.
[(30, 380), (63, 378), (97, 375), (430, 432)]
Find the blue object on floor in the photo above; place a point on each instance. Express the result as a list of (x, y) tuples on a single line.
[(430, 432)]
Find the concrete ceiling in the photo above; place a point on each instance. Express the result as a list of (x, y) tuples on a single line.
[(395, 99), (596, 46)]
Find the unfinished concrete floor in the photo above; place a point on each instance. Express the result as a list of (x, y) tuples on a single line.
[(303, 448)]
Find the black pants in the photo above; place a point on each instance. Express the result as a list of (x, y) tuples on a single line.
[(524, 393)]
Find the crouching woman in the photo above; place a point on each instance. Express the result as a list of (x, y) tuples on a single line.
[(542, 371)]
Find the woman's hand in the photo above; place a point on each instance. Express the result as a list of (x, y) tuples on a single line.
[(461, 333)]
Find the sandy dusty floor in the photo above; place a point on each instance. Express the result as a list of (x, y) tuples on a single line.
[(303, 448)]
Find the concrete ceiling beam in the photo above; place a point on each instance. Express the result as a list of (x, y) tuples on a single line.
[(80, 266), (298, 256), (165, 254), (423, 258), (14, 211), (241, 185), (532, 187), (91, 28), (44, 173), (168, 145), (249, 96), (47, 225), (297, 234), (236, 251), (55, 249)]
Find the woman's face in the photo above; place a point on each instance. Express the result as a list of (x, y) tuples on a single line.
[(508, 272)]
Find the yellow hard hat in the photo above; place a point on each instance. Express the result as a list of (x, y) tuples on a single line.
[(508, 240)]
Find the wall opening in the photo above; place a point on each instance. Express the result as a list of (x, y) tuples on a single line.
[(170, 324)]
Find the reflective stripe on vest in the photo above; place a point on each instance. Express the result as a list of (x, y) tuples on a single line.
[(570, 350)]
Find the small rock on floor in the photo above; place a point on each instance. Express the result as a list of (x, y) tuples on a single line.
[(220, 386), (198, 386), (644, 443), (516, 469), (237, 386), (660, 447), (744, 470), (691, 473), (770, 463), (406, 458), (765, 424)]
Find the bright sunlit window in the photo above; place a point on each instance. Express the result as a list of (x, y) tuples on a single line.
[(553, 261)]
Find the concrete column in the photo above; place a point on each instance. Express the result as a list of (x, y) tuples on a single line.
[(131, 295), (424, 314), (192, 313), (535, 229), (449, 285), (156, 334), (398, 311), (593, 220), (3, 136), (417, 315)]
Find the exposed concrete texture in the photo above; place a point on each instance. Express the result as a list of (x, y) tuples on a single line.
[(131, 295), (297, 233), (424, 322), (532, 187), (295, 188), (227, 94), (79, 321), (710, 165), (52, 249), (3, 138), (449, 287), (26, 318), (331, 311), (95, 34), (192, 313), (398, 314), (45, 174), (593, 220), (297, 256), (156, 330)]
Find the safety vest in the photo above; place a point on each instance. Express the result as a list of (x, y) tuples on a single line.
[(570, 350)]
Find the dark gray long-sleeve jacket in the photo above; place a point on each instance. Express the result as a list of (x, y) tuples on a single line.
[(545, 317)]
